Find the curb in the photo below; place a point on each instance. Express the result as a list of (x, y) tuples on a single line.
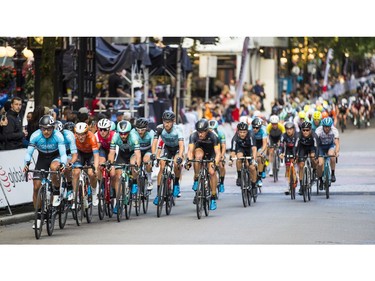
[(6, 220)]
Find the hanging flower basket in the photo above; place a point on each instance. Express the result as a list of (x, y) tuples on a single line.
[(7, 75)]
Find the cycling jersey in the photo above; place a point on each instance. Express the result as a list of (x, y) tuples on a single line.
[(287, 143), (131, 144), (220, 135), (207, 144), (305, 145), (314, 127), (47, 147), (90, 144), (327, 139), (105, 143), (70, 142), (259, 136), (144, 143), (275, 133), (171, 138), (243, 145)]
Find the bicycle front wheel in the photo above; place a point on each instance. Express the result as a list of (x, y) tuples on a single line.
[(305, 184), (199, 197), (127, 197), (326, 182), (207, 198), (51, 215), (78, 202), (244, 188), (168, 197), (101, 206), (161, 192), (292, 180), (145, 195), (88, 209), (119, 202), (39, 211), (63, 213)]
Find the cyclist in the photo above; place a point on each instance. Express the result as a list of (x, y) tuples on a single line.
[(287, 143), (88, 154), (173, 139), (51, 156), (204, 144), (328, 137), (274, 131), (261, 142), (306, 146), (213, 125), (71, 152), (343, 111), (299, 119), (128, 152), (145, 139), (317, 118), (103, 137), (244, 144)]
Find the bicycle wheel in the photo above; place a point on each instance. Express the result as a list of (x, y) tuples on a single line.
[(39, 213), (169, 197), (127, 197), (304, 184), (101, 205), (207, 198), (145, 195), (199, 197), (327, 179), (120, 202), (78, 202), (161, 194), (249, 188), (274, 167), (292, 180), (244, 188), (88, 209), (63, 213), (50, 219)]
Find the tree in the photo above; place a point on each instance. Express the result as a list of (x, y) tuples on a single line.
[(47, 71)]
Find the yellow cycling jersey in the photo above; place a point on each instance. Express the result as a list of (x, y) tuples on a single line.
[(275, 132)]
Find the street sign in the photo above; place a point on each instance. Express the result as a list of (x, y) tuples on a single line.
[(207, 66)]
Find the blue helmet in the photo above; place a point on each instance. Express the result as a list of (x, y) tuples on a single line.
[(327, 122)]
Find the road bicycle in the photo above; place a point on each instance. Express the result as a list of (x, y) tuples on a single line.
[(246, 189), (326, 176), (105, 206), (276, 162), (142, 186), (44, 211), (307, 179), (65, 204), (124, 198), (292, 176), (82, 205), (202, 198), (165, 191)]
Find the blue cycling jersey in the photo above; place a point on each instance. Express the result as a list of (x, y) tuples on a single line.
[(171, 138), (46, 146), (70, 141), (144, 143)]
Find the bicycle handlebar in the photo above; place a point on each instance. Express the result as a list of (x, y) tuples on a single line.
[(42, 171), (242, 158)]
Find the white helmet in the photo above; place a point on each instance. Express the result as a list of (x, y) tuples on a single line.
[(257, 113), (104, 124), (59, 125), (81, 128), (274, 119)]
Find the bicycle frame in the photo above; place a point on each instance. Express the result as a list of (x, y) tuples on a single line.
[(165, 192), (246, 189)]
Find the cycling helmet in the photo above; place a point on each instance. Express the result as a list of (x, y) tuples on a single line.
[(274, 119), (289, 110), (245, 119), (46, 121), (317, 115), (59, 126), (325, 114), (141, 123), (69, 126), (289, 125), (168, 115), (202, 125), (306, 125), (242, 126), (104, 124), (306, 108), (257, 122), (124, 126), (213, 124), (81, 128), (319, 108), (302, 115), (257, 113), (327, 122)]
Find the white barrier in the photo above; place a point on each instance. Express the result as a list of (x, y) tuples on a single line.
[(15, 189)]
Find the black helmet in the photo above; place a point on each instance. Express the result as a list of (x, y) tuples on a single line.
[(306, 124), (289, 125), (257, 122), (69, 126), (168, 115), (141, 123), (242, 126), (46, 121), (202, 125)]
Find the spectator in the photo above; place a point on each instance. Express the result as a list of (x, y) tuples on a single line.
[(33, 124), (258, 89), (13, 132), (116, 88)]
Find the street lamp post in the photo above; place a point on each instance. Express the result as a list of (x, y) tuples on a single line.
[(19, 44)]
